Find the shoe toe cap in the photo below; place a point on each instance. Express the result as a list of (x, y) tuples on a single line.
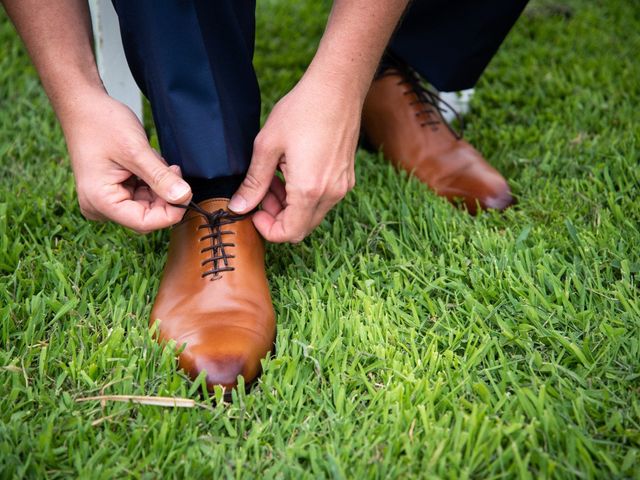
[(224, 357), (467, 176), (478, 186), (224, 370), (500, 201)]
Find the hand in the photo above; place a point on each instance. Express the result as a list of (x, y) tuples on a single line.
[(118, 175), (311, 136)]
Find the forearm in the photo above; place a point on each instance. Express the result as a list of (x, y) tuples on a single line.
[(58, 37), (356, 35), (107, 145)]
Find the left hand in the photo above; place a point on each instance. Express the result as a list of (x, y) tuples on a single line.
[(311, 136)]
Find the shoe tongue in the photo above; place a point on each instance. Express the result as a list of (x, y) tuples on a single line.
[(210, 205), (214, 204)]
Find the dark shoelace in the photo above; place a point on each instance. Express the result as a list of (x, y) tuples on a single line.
[(433, 111), (214, 222)]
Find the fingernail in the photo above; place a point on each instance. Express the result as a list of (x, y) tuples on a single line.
[(178, 191), (237, 203)]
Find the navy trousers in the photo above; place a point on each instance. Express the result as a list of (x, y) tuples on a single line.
[(193, 60)]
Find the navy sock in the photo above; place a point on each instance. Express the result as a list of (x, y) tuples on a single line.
[(221, 187)]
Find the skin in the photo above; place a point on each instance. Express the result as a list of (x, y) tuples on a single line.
[(107, 144), (310, 136), (312, 133)]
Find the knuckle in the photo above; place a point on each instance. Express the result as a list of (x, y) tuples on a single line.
[(86, 214), (311, 191), (84, 205), (140, 228), (340, 193), (261, 145), (86, 209), (159, 175), (297, 238), (251, 181), (135, 151)]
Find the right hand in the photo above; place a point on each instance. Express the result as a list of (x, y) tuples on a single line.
[(118, 175)]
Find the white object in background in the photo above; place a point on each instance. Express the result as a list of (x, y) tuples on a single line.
[(110, 58), (458, 100)]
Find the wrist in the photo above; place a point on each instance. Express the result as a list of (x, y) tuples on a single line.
[(348, 78), (85, 108), (72, 103), (352, 44)]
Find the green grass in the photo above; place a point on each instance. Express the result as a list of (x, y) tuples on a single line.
[(413, 340)]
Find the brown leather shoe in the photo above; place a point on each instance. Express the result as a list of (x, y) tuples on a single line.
[(404, 120), (214, 297)]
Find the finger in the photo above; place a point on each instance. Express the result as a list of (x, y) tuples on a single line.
[(144, 218), (258, 179), (87, 208), (165, 181), (325, 204), (275, 199), (92, 214), (278, 189), (144, 215), (271, 204), (341, 188), (174, 213), (143, 193), (132, 182), (290, 225), (320, 212)]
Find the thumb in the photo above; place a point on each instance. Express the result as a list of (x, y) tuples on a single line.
[(165, 181), (256, 183)]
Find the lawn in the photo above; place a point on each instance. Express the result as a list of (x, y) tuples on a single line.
[(413, 339)]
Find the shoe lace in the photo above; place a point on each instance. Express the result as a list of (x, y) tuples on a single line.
[(433, 111), (215, 221)]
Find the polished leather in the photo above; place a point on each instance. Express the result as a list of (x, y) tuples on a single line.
[(226, 322), (394, 121)]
